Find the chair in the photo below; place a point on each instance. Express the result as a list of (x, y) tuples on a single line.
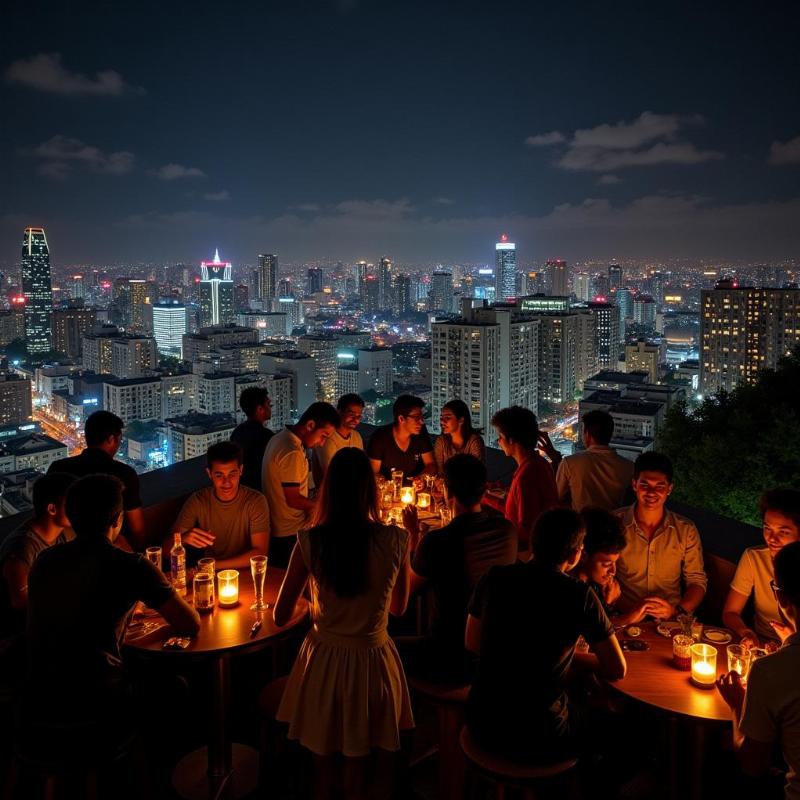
[(505, 774), (449, 702)]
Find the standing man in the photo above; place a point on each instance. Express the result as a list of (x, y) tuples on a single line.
[(403, 445), (660, 570), (350, 408), (103, 431), (253, 434), (598, 476), (285, 477)]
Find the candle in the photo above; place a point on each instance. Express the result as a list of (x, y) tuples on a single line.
[(228, 587), (407, 495), (423, 500), (704, 665)]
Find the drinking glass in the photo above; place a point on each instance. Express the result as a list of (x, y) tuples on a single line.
[(208, 565), (739, 659), (258, 569), (153, 554), (203, 584), (446, 515), (686, 621), (397, 481), (682, 651)]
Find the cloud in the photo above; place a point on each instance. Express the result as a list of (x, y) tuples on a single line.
[(544, 139), (61, 153), (609, 180), (307, 207), (443, 201), (46, 73), (172, 172), (217, 197), (374, 209), (785, 152), (647, 141)]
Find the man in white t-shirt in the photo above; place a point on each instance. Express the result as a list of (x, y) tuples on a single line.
[(284, 477), (350, 408), (768, 713)]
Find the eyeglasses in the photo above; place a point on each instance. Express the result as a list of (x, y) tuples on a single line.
[(415, 417)]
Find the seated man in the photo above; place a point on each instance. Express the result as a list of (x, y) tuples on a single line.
[(405, 444), (660, 570), (525, 620), (80, 597), (451, 561), (350, 408), (780, 512), (227, 520), (768, 713), (602, 546), (253, 434), (18, 552), (597, 476)]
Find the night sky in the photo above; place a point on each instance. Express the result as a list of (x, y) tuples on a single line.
[(345, 130)]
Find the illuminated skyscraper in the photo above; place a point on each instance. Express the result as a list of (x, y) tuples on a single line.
[(402, 294), (385, 287), (606, 333), (216, 292), (38, 291), (138, 297), (557, 277), (440, 296), (614, 276), (505, 269), (267, 278), (315, 280), (169, 325)]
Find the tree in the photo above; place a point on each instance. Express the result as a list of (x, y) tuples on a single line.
[(736, 445)]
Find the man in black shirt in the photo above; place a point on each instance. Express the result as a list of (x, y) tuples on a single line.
[(253, 434), (451, 561), (103, 432), (524, 621), (404, 444)]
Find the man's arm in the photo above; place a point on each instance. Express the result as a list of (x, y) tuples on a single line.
[(694, 574), (296, 500), (472, 635), (135, 531), (607, 660), (184, 620), (562, 484), (15, 576), (259, 546)]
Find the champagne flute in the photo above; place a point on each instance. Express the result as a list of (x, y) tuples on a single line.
[(258, 569)]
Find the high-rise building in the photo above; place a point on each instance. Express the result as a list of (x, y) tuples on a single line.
[(505, 269), (267, 279), (385, 287), (169, 326), (657, 283), (643, 357), (15, 399), (98, 348), (37, 290), (614, 276), (644, 311), (624, 299), (138, 294), (190, 435), (196, 345), (241, 297), (582, 286), (606, 333), (133, 398), (402, 294), (315, 280), (323, 349), (76, 287), (301, 368), (745, 330), (70, 325), (369, 292), (440, 296), (133, 356), (216, 292), (534, 282), (12, 323), (557, 277)]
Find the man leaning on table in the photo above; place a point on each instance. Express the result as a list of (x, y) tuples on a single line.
[(660, 571), (226, 520), (768, 713)]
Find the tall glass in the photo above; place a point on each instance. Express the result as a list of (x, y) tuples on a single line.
[(739, 659), (397, 481), (153, 554), (258, 569), (203, 584)]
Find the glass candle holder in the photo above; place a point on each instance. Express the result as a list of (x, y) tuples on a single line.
[(739, 659), (203, 592), (682, 651), (407, 495), (704, 665), (423, 500), (228, 587), (153, 554)]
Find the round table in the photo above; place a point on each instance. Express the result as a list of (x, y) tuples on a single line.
[(224, 632), (652, 680)]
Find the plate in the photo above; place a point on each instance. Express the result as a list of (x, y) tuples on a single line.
[(668, 629), (717, 636)]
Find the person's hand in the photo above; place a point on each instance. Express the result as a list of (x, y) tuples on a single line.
[(749, 639), (638, 613), (411, 520), (197, 537), (611, 592), (782, 631), (546, 446), (731, 689), (659, 608)]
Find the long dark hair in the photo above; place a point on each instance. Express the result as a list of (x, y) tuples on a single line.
[(461, 411), (344, 523)]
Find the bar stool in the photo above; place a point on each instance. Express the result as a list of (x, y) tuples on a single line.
[(449, 702), (505, 774)]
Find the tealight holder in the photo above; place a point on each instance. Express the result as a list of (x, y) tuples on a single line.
[(423, 501), (704, 665), (407, 495), (228, 587)]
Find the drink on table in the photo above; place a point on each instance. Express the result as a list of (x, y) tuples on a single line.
[(153, 554), (682, 651), (397, 482), (177, 566), (258, 569)]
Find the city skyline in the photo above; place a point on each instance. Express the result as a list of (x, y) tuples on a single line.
[(653, 139)]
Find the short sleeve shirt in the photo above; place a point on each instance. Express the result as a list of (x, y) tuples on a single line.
[(94, 460), (753, 576), (231, 523), (253, 438), (321, 456), (285, 465), (383, 447)]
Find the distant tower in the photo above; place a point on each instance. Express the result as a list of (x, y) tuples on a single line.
[(216, 292), (505, 269), (557, 277), (385, 298), (267, 278), (315, 280), (37, 290)]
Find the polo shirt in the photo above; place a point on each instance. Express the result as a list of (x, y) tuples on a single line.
[(596, 477), (93, 460), (284, 465)]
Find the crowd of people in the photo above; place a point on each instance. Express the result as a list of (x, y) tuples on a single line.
[(573, 548)]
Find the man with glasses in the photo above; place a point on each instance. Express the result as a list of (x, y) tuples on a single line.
[(660, 570), (405, 444), (350, 408)]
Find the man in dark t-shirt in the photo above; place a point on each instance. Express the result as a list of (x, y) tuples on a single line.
[(530, 615), (253, 434), (404, 444), (451, 561), (103, 432)]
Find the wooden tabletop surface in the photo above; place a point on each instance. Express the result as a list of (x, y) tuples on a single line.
[(226, 629), (653, 680)]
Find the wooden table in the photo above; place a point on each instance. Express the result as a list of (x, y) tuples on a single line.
[(652, 680), (223, 769)]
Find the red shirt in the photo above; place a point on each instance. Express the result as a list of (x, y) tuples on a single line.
[(532, 491)]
